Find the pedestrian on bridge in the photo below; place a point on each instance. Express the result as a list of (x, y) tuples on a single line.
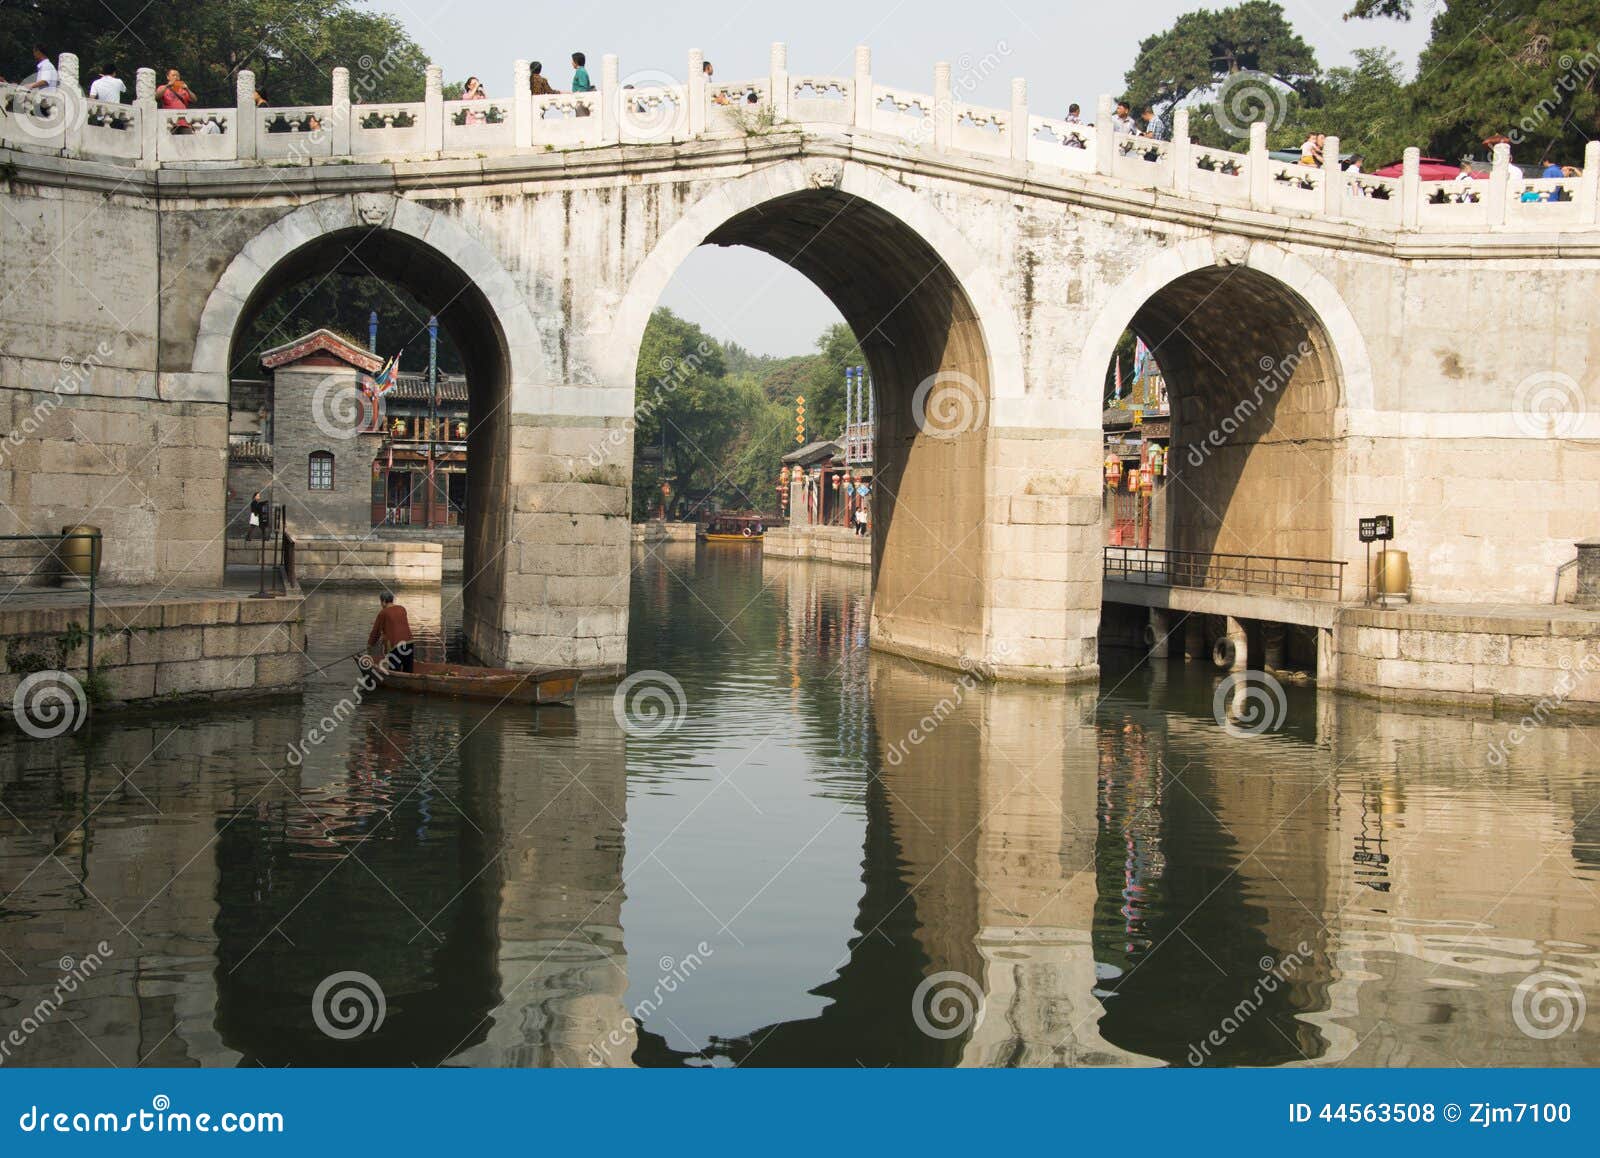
[(45, 75), (537, 84)]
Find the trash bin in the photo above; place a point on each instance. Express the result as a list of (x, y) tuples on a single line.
[(80, 557), (1391, 577)]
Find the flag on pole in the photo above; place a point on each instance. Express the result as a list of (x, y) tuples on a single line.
[(385, 377)]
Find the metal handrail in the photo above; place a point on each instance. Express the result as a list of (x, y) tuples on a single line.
[(96, 539), (1221, 570)]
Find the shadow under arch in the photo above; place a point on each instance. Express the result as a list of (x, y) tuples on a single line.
[(1263, 363), (453, 275), (928, 314)]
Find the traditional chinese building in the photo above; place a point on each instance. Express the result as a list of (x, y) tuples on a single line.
[(319, 437), (1137, 428)]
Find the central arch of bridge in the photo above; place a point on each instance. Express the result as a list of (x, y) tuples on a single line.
[(931, 370)]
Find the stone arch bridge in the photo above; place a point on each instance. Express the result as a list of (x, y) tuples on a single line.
[(1338, 344)]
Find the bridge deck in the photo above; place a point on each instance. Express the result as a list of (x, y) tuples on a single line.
[(1240, 605)]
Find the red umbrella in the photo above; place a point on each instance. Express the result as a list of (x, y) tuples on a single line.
[(1430, 169)]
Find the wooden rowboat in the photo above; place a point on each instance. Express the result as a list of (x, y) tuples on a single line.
[(463, 681)]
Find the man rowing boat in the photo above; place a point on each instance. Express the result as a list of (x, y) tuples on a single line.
[(394, 629)]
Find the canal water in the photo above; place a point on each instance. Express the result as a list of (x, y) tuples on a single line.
[(774, 847)]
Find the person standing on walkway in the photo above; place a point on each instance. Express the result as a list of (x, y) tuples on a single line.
[(394, 629), (580, 74), (258, 517), (109, 87), (537, 84), (45, 75)]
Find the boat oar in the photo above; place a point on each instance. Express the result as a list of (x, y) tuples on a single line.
[(331, 663)]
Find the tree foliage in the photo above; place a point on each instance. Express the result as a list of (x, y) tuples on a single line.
[(344, 304), (1529, 69), (1203, 48), (291, 45)]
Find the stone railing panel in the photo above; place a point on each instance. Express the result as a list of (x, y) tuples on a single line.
[(1142, 160), (902, 114), (981, 130), (32, 118), (484, 124), (1374, 199), (197, 135), (1296, 187), (294, 132), (1063, 145), (1536, 202), (730, 109), (1458, 204), (657, 113), (828, 99), (396, 128), (565, 119), (1218, 175), (112, 131)]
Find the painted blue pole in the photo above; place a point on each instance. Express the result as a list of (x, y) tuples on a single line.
[(372, 331)]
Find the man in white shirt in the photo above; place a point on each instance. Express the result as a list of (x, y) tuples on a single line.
[(109, 87), (44, 73), (1121, 122)]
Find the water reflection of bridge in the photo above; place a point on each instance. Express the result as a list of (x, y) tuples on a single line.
[(1112, 877)]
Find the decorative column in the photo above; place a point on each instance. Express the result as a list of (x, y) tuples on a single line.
[(1019, 120), (144, 89), (433, 110), (863, 87), (1499, 184), (521, 105), (697, 92), (1589, 185), (244, 113), (944, 108), (1105, 140), (1260, 173), (610, 98), (72, 95), (340, 144), (1410, 188), (778, 82), (1182, 152), (1332, 179)]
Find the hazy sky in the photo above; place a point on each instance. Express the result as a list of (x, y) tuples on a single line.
[(1069, 50)]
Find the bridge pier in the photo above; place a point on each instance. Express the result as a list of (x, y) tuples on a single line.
[(1194, 637), (1159, 632), (1272, 645)]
